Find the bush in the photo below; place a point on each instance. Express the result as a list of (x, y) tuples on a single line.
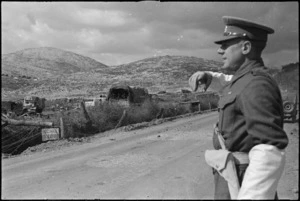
[(208, 101), (106, 115), (174, 109), (141, 113)]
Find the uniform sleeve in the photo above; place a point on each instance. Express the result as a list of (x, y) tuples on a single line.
[(261, 105), (221, 78), (263, 173)]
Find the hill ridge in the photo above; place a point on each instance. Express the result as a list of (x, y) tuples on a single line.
[(43, 60), (58, 79)]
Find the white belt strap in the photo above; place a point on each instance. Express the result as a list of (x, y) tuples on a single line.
[(224, 162), (240, 158)]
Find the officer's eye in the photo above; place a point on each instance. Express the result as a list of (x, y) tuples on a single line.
[(224, 46)]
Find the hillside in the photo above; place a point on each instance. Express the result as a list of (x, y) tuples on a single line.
[(164, 72), (46, 62), (156, 73), (54, 73)]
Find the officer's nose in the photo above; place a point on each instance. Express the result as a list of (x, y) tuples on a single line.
[(220, 51)]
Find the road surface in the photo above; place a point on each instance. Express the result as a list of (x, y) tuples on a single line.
[(165, 161)]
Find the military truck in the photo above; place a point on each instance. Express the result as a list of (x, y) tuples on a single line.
[(33, 105)]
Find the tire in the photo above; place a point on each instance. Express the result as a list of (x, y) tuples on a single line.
[(293, 117), (288, 107)]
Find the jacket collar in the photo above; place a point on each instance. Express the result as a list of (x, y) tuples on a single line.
[(246, 68)]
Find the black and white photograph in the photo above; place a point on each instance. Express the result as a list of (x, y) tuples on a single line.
[(149, 100)]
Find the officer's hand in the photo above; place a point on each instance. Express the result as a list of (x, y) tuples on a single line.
[(199, 78)]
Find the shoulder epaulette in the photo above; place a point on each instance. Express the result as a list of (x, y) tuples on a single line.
[(256, 72)]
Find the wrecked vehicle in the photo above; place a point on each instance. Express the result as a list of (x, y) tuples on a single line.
[(127, 95), (8, 107), (102, 96), (33, 104)]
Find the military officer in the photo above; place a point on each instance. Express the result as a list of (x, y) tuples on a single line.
[(250, 111)]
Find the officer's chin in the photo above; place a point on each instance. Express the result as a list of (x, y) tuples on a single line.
[(225, 66), (227, 69)]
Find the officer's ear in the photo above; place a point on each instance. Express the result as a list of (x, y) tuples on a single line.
[(246, 48)]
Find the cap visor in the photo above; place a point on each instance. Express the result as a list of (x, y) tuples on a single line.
[(225, 38)]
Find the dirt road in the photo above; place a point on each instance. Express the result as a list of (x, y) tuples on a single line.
[(165, 161)]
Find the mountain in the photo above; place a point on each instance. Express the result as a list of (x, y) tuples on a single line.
[(45, 62), (162, 72), (54, 73)]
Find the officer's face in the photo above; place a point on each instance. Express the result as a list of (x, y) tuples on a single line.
[(232, 55)]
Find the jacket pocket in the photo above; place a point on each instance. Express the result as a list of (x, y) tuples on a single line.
[(226, 100)]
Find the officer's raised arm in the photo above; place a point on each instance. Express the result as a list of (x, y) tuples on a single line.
[(206, 78)]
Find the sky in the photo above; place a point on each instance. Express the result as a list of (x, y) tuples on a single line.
[(116, 33)]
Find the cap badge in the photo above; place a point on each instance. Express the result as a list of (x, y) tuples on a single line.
[(229, 33)]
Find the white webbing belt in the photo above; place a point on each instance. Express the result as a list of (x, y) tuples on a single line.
[(229, 173), (239, 157)]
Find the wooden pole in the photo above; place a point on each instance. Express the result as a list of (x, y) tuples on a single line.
[(160, 113), (62, 134), (86, 115), (122, 119), (27, 123)]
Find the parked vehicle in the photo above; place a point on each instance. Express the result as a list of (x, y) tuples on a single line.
[(290, 106)]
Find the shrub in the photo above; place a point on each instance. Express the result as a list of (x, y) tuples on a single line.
[(174, 109), (208, 101), (105, 116), (140, 113)]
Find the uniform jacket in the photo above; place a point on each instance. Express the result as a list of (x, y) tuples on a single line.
[(251, 110)]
